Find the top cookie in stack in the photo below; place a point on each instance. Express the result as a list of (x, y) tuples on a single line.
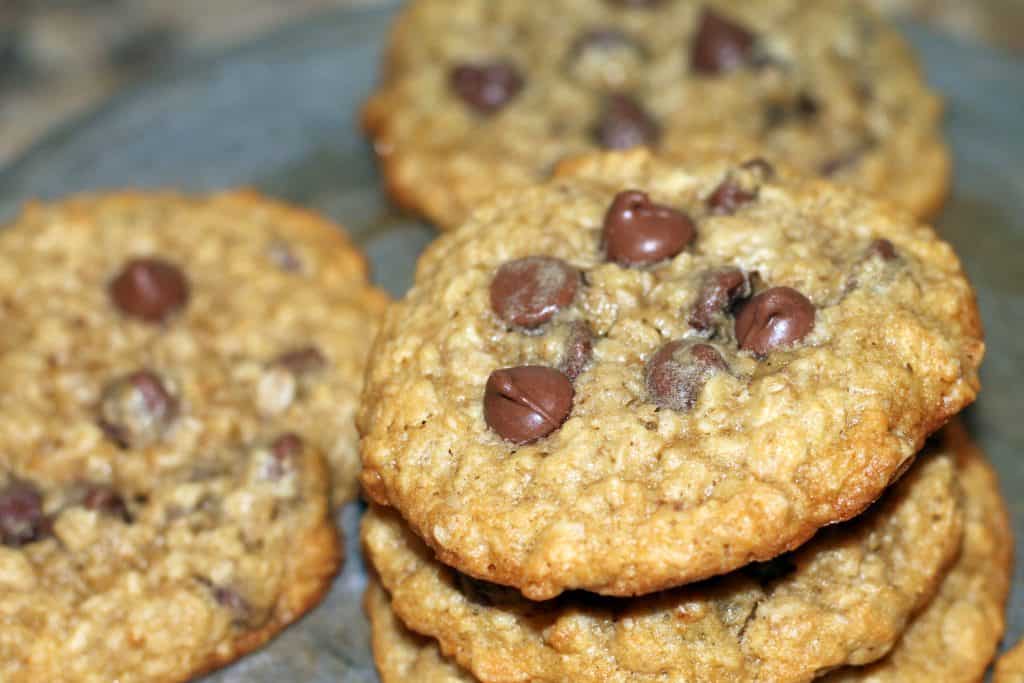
[(480, 94), (640, 375)]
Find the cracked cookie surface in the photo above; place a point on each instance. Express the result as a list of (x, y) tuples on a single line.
[(477, 95), (170, 371), (850, 591), (730, 378)]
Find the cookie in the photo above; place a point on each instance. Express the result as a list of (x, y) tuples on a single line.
[(745, 357), (275, 294), (850, 591), (478, 95), (955, 637), (1009, 667), (168, 374), (951, 640)]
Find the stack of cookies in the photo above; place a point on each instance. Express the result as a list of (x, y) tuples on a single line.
[(178, 379), (673, 413)]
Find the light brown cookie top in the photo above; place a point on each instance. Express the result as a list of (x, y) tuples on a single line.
[(162, 581), (268, 322), (640, 375), (481, 94), (1010, 667), (163, 421), (955, 638), (850, 592)]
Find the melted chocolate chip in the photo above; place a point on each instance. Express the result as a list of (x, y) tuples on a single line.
[(721, 45), (579, 349), (287, 446), (777, 317), (149, 289), (527, 403), (529, 292), (677, 373), (21, 514), (625, 124), (883, 249), (105, 500), (487, 88), (728, 197), (639, 232), (721, 290), (800, 110), (137, 409), (306, 360)]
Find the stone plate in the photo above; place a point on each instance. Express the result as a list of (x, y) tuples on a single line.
[(280, 114)]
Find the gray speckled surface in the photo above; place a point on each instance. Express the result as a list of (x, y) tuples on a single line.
[(280, 115)]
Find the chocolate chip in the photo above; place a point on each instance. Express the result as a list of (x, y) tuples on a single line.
[(579, 349), (231, 599), (105, 500), (149, 289), (729, 197), (677, 373), (721, 289), (286, 446), (721, 45), (488, 87), (777, 317), (136, 410), (529, 291), (625, 124), (306, 360), (639, 232), (21, 514), (527, 403), (605, 58), (883, 249), (283, 256)]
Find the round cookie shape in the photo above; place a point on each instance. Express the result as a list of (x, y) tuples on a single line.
[(193, 446), (287, 316), (971, 596), (852, 590), (476, 96), (627, 496)]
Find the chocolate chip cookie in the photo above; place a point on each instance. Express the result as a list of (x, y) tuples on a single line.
[(850, 591), (478, 95), (955, 637), (172, 371), (676, 386), (951, 640), (1010, 667)]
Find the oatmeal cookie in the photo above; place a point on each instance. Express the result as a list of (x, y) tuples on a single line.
[(640, 375), (955, 637), (482, 94), (98, 288), (952, 640), (850, 591), (170, 370), (1010, 667)]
